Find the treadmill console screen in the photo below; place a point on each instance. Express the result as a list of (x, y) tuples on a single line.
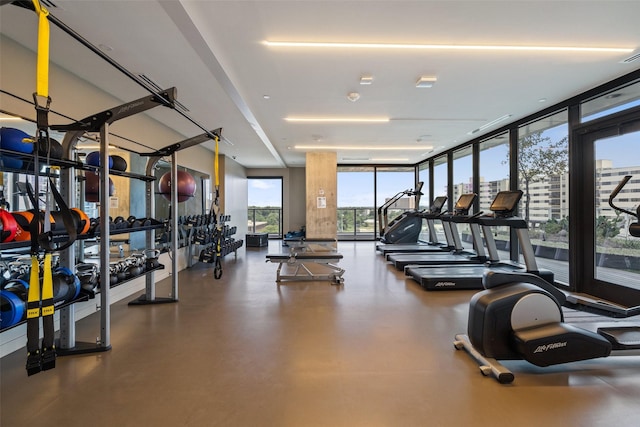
[(506, 202), (438, 203), (464, 203)]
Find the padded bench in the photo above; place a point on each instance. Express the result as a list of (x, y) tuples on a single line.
[(309, 260)]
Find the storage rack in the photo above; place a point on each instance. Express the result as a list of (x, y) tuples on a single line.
[(98, 123), (202, 231)]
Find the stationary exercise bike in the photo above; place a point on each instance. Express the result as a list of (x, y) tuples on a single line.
[(519, 316)]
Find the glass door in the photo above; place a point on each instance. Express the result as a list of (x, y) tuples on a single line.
[(608, 260)]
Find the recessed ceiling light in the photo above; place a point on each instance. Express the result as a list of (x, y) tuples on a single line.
[(542, 100), (105, 47), (339, 119), (348, 45), (353, 96), (355, 158), (266, 97), (426, 81), (366, 80)]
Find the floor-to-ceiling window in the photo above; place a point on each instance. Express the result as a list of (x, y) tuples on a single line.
[(462, 172), (493, 178), (463, 183), (391, 181), (356, 203), (425, 200), (440, 181), (265, 205), (606, 256), (617, 251), (494, 169), (542, 165)]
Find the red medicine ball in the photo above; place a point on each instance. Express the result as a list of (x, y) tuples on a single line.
[(186, 186), (92, 187), (8, 226)]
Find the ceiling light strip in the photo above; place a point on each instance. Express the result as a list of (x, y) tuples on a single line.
[(361, 148), (338, 119), (343, 45)]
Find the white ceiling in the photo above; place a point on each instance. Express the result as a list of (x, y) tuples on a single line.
[(213, 52)]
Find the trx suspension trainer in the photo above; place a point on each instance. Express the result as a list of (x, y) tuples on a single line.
[(40, 294), (40, 304), (217, 270)]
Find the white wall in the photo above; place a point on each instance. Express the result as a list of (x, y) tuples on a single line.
[(235, 195)]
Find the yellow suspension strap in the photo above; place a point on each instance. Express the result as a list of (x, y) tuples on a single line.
[(217, 270), (40, 300), (42, 70)]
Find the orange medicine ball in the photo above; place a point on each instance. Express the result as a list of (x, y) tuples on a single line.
[(83, 220), (23, 219)]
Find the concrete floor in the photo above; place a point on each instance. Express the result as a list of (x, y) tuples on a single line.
[(243, 351)]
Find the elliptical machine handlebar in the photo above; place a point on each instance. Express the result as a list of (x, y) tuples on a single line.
[(634, 228)]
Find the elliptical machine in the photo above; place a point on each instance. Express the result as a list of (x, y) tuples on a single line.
[(519, 316)]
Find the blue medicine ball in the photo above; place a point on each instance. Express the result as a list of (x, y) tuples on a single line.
[(14, 140), (93, 159), (10, 162)]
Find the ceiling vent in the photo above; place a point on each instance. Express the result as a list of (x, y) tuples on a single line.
[(632, 58), (157, 88)]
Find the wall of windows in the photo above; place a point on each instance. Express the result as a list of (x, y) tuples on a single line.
[(584, 241), (600, 126)]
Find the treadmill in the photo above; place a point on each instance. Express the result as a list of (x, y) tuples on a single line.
[(458, 255), (470, 276), (434, 212)]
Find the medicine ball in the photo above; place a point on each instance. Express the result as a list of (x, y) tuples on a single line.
[(93, 159), (119, 163), (8, 226), (83, 220), (23, 219), (52, 149), (9, 162), (92, 187), (186, 186), (15, 140)]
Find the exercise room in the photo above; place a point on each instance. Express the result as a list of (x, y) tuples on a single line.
[(319, 213)]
